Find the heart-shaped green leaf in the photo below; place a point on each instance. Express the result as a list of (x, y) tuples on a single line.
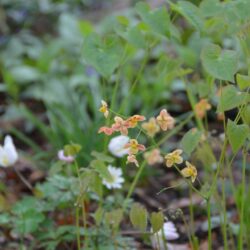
[(220, 65), (138, 216), (190, 12), (157, 221), (190, 141), (158, 19), (230, 98), (243, 81), (237, 134), (245, 114), (104, 55), (210, 8)]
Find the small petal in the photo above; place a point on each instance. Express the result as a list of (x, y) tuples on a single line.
[(117, 146), (106, 130), (132, 159), (170, 233), (120, 125), (104, 109), (62, 157), (174, 158), (154, 156), (165, 120), (133, 120), (189, 171), (202, 107), (8, 153), (134, 146), (151, 127)]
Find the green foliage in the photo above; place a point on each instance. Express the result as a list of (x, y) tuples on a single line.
[(243, 81), (191, 13), (237, 134), (104, 54), (102, 157), (190, 140), (114, 218), (157, 221), (157, 19), (231, 98), (138, 216), (72, 149), (246, 114), (101, 168), (219, 64)]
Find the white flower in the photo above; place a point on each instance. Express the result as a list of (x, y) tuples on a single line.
[(8, 153), (116, 180), (61, 156), (117, 145), (170, 233)]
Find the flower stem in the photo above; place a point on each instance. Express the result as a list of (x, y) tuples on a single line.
[(242, 203), (209, 224), (22, 178), (78, 228), (224, 224)]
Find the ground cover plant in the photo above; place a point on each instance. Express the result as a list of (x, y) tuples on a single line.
[(124, 130)]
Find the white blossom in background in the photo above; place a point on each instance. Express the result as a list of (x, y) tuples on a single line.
[(116, 178), (117, 146), (170, 233), (8, 152), (62, 157)]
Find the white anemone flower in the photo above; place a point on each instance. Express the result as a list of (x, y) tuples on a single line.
[(116, 178), (117, 146), (170, 233), (8, 152), (62, 157)]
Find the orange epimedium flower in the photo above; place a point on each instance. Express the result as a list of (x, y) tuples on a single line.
[(165, 120), (153, 157), (134, 147), (104, 109), (106, 130), (133, 120), (151, 127), (189, 171), (174, 158), (132, 159), (202, 107), (120, 125)]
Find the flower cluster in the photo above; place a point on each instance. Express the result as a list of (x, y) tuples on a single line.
[(121, 125), (175, 157), (163, 121), (134, 147), (123, 145)]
